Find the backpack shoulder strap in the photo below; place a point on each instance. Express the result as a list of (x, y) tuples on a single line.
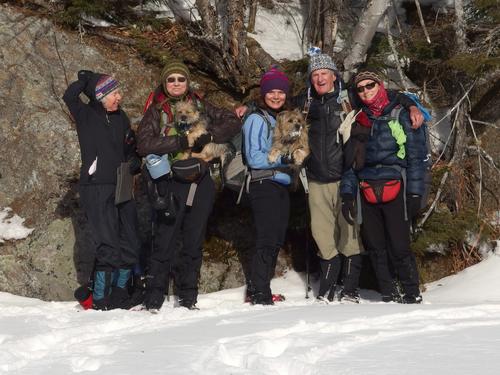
[(344, 101), (262, 113), (395, 112)]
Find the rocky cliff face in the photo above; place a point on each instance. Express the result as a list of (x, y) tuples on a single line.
[(39, 158)]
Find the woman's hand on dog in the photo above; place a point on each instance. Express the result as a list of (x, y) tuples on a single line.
[(201, 142)]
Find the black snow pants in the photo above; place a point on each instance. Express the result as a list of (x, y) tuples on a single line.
[(187, 230), (386, 236), (114, 229), (270, 204)]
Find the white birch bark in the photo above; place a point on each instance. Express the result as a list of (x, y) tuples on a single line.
[(363, 35)]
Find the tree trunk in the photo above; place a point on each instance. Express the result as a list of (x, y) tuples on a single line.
[(182, 14), (236, 38), (208, 17), (252, 15), (329, 25), (363, 35), (261, 57), (460, 26)]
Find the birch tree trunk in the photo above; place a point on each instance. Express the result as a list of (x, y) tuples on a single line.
[(252, 15), (363, 35), (208, 17), (460, 35), (329, 26), (182, 13)]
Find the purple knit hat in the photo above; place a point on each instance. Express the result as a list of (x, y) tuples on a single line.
[(274, 79), (105, 85)]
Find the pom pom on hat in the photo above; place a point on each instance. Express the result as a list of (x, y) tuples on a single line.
[(274, 79), (105, 86)]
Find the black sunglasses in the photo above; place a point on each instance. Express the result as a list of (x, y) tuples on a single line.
[(368, 86), (178, 79)]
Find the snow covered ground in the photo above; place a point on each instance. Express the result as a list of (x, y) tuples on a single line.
[(456, 331)]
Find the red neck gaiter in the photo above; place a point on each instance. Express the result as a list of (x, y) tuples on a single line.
[(377, 104)]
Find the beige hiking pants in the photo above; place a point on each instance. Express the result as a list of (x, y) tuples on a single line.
[(331, 232)]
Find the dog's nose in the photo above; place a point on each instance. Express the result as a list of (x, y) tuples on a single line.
[(297, 126), (183, 118)]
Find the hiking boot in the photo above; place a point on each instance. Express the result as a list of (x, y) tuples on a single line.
[(275, 297), (153, 300), (278, 297), (83, 294), (260, 298), (119, 299), (323, 300), (349, 297), (189, 305), (412, 299), (394, 297)]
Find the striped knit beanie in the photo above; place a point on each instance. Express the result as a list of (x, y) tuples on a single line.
[(274, 79), (105, 85), (174, 67), (361, 76), (320, 61)]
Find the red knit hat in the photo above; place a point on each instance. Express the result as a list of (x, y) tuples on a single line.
[(274, 79)]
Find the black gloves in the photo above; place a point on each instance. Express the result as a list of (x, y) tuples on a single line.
[(348, 209), (413, 203), (201, 142), (85, 76), (287, 159), (135, 164)]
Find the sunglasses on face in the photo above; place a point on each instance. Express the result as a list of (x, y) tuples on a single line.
[(368, 86), (174, 79)]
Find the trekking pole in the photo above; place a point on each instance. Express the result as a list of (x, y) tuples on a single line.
[(303, 179), (308, 273)]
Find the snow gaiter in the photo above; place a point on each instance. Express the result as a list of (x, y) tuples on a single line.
[(352, 270), (329, 273)]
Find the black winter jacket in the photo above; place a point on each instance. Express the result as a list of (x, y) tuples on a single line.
[(101, 134), (325, 163)]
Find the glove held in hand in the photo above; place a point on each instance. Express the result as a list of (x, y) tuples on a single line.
[(348, 209)]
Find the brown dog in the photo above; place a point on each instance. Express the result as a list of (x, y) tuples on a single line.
[(290, 137), (189, 118)]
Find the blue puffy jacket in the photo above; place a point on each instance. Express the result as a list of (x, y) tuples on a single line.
[(381, 160)]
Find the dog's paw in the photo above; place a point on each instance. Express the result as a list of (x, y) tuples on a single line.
[(273, 155), (299, 156)]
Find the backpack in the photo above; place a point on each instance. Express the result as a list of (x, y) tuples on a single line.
[(235, 171)]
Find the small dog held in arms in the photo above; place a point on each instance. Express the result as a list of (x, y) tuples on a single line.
[(190, 121), (290, 137)]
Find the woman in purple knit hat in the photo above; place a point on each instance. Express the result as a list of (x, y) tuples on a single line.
[(268, 190)]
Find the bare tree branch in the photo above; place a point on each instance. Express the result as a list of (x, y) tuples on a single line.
[(422, 23), (480, 166)]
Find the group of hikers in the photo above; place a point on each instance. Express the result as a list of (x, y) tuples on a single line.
[(366, 177)]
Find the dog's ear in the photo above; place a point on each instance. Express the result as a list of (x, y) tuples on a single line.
[(280, 115)]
